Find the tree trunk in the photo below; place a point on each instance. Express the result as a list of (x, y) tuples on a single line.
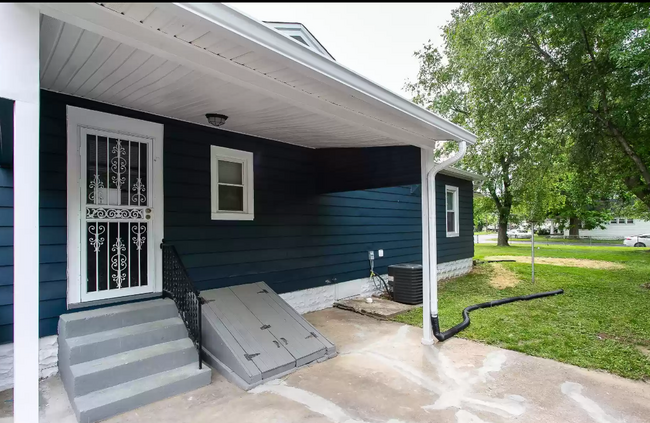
[(502, 238), (504, 204), (574, 227)]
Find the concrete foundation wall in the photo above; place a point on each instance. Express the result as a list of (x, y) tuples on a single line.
[(306, 300), (454, 269), (322, 297), (47, 359)]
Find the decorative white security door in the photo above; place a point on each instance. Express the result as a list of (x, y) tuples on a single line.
[(117, 212)]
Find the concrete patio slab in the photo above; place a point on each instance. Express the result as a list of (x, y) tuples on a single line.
[(379, 307), (384, 374)]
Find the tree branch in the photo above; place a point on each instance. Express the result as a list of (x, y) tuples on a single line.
[(635, 185), (629, 151), (494, 196), (545, 55), (590, 50), (622, 141), (465, 112)]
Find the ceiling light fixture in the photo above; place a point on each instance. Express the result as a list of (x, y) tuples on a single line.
[(216, 119)]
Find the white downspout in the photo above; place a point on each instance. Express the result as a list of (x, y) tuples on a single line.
[(429, 170)]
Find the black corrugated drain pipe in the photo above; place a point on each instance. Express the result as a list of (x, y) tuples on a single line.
[(443, 336)]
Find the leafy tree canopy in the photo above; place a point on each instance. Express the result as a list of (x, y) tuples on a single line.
[(548, 87)]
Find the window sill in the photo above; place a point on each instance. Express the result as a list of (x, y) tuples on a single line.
[(452, 234), (233, 216)]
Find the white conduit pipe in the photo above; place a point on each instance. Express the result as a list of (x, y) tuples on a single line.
[(430, 266)]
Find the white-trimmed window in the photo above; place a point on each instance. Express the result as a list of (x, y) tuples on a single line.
[(622, 221), (451, 210), (231, 173)]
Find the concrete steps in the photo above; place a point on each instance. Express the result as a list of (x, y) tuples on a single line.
[(118, 399), (102, 344), (119, 358)]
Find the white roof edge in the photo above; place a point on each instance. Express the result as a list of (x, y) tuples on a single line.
[(261, 34), (462, 174)]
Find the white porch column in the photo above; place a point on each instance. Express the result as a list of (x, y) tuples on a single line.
[(426, 164), (19, 81)]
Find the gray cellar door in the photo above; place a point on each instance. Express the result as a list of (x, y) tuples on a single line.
[(251, 335)]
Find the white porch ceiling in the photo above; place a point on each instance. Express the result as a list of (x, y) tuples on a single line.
[(165, 60)]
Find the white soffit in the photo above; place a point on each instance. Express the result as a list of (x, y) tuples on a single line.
[(185, 60)]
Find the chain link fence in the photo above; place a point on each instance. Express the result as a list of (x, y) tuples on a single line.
[(556, 239)]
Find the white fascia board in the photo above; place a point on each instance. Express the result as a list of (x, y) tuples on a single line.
[(103, 21), (322, 68), (462, 174)]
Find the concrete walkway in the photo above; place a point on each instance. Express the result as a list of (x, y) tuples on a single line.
[(384, 374)]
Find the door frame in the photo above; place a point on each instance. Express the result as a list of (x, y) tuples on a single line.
[(79, 119)]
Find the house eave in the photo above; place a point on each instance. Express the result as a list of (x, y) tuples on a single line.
[(338, 96), (260, 34)]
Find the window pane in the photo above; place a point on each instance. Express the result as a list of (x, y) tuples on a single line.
[(450, 201), (230, 172), (613, 221), (231, 198), (451, 222), (630, 220)]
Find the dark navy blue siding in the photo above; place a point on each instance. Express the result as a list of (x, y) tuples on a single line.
[(6, 255), (299, 238), (6, 221), (346, 169), (462, 246), (53, 203), (317, 212)]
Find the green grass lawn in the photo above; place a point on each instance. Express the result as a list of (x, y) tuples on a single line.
[(602, 321), (485, 233)]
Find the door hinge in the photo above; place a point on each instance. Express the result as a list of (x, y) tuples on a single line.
[(311, 335), (250, 357)]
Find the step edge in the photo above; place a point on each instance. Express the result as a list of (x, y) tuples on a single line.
[(183, 373), (116, 309), (172, 321), (182, 345)]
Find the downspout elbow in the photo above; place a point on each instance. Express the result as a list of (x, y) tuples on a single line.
[(462, 149)]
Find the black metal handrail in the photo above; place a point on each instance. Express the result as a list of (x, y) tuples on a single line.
[(178, 286)]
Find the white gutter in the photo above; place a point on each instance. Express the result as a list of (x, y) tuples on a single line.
[(462, 174), (429, 242)]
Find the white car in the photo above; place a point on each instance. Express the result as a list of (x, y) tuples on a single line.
[(517, 234), (637, 241)]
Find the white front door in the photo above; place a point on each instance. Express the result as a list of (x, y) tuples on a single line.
[(114, 206)]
